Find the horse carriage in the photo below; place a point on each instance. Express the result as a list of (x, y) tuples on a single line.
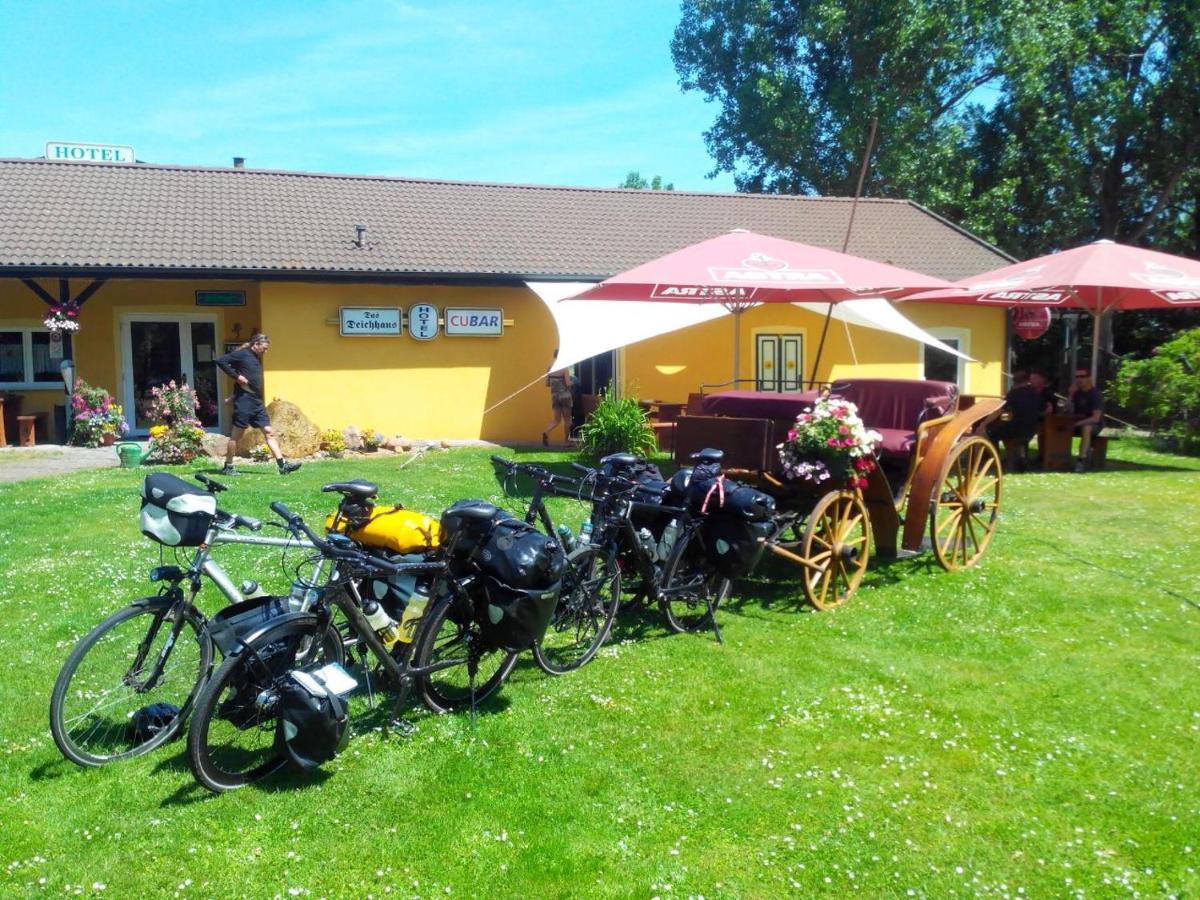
[(934, 472)]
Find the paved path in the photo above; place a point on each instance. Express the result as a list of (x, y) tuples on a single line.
[(21, 463)]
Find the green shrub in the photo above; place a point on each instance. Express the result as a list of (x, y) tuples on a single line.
[(1166, 388), (617, 426)]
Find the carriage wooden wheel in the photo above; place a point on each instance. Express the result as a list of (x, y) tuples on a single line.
[(835, 548), (962, 516)]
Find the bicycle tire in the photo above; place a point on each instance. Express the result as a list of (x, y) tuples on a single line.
[(689, 582), (105, 732), (591, 593), (231, 741), (444, 632)]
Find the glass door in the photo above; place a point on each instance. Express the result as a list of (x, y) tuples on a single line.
[(161, 349), (778, 361)]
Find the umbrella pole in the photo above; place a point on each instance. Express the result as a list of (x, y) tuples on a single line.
[(812, 380), (1096, 316), (737, 345)]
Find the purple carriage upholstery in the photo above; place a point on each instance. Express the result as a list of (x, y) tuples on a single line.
[(895, 407)]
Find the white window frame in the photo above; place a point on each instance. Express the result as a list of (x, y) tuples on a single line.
[(963, 336), (27, 384)]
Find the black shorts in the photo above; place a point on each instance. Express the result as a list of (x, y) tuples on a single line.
[(249, 412)]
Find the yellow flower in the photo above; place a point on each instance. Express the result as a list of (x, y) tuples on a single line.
[(157, 431)]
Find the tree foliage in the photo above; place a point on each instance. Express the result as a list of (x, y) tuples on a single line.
[(634, 179), (1039, 124), (1166, 387)]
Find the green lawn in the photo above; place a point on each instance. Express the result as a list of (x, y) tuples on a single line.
[(1030, 726)]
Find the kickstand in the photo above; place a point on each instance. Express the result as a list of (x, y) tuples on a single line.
[(405, 727), (712, 617)]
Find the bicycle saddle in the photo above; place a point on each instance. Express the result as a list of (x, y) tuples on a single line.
[(619, 459), (361, 490), (709, 455), (481, 513)]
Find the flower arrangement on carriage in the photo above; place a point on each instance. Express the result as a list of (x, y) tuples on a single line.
[(829, 446)]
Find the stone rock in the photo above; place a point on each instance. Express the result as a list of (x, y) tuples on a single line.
[(297, 436), (395, 442), (353, 438), (214, 445)]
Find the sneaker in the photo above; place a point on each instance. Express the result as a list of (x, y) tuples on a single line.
[(287, 468), (228, 471)]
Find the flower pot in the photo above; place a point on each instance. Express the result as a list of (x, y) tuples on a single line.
[(107, 440)]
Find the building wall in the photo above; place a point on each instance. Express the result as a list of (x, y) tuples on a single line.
[(671, 366), (97, 344), (443, 388), (457, 387)]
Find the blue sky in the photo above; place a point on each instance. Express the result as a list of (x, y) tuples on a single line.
[(532, 92)]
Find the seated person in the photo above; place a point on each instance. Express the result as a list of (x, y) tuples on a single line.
[(1025, 404), (1086, 403)]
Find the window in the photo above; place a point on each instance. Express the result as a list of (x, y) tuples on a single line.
[(941, 366), (29, 358)]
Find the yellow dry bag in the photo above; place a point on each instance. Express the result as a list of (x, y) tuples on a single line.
[(394, 528)]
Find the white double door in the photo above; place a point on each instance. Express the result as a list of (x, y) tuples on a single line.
[(779, 362), (158, 349)]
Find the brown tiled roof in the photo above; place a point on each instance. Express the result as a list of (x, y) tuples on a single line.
[(57, 215)]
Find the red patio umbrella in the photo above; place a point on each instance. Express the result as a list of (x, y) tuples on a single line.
[(1097, 278), (740, 269)]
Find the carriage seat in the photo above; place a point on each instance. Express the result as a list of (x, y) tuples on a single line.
[(895, 407)]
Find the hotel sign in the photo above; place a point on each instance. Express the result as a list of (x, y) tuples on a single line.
[(423, 322), (370, 321), (66, 151), (474, 322)]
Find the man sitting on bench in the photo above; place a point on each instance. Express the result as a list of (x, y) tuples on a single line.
[(1087, 404), (1025, 404)]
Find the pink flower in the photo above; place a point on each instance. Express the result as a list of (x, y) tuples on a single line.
[(842, 429), (792, 434), (833, 442)]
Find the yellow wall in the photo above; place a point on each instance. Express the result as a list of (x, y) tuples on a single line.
[(671, 366), (422, 389)]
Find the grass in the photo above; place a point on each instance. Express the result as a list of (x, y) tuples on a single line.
[(1030, 726)]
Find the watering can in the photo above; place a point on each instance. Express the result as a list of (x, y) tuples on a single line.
[(130, 453)]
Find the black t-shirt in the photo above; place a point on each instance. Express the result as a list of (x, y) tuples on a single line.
[(1087, 402), (1025, 403), (243, 362)]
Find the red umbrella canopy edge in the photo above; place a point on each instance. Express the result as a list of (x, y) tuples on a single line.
[(742, 267)]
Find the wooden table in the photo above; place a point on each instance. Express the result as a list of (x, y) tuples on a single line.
[(1054, 442)]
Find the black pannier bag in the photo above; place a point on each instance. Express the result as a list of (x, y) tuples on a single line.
[(175, 513), (311, 727), (736, 530), (707, 487), (236, 622), (736, 544), (469, 530), (651, 487), (523, 571)]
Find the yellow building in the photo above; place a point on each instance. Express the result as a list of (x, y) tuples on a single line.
[(403, 305)]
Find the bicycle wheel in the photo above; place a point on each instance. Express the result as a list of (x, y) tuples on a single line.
[(128, 685), (448, 634), (231, 741), (591, 593), (690, 583)]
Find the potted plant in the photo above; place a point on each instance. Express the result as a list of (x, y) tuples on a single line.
[(177, 437), (829, 447), (371, 439), (98, 419)]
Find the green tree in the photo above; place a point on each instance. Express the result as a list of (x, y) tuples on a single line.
[(635, 180), (1166, 387), (1039, 124)]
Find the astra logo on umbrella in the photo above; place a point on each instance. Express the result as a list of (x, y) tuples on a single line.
[(1177, 287), (762, 268), (1038, 297), (700, 292)]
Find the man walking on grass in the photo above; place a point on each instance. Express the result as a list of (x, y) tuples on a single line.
[(244, 366)]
